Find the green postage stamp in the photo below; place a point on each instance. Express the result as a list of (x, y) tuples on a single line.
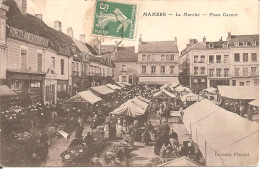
[(114, 19)]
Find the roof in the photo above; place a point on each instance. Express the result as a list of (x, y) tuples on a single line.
[(196, 46), (164, 93), (36, 26), (111, 86), (81, 46), (239, 92), (180, 162), (217, 44), (107, 48), (85, 96), (126, 54), (91, 49), (103, 90), (158, 47), (6, 91), (241, 38)]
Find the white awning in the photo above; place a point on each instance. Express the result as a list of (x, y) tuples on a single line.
[(164, 93), (85, 96), (254, 103), (103, 90), (6, 91), (114, 87), (239, 92)]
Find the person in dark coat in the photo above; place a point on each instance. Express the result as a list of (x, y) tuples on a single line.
[(89, 139), (79, 130)]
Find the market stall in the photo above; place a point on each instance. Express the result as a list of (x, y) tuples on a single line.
[(113, 87), (183, 90), (216, 138), (6, 97), (85, 97), (210, 93), (143, 99), (239, 92), (191, 98), (120, 84), (163, 94), (102, 90)]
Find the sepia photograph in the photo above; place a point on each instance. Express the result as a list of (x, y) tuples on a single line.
[(129, 83)]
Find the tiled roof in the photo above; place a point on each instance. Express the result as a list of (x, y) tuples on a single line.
[(196, 46), (241, 38), (36, 26), (107, 48), (158, 47), (126, 54), (81, 46)]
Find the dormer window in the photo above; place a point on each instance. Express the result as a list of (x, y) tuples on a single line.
[(225, 45), (253, 43), (211, 45), (236, 43), (244, 43)]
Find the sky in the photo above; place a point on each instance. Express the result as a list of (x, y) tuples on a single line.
[(78, 14)]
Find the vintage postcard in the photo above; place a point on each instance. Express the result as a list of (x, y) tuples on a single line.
[(129, 83)]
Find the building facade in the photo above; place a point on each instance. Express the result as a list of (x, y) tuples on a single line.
[(158, 62), (126, 65), (3, 46), (231, 62)]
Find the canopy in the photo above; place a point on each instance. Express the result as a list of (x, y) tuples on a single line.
[(180, 162), (215, 130), (254, 103), (114, 87), (120, 84), (127, 84), (129, 108), (239, 92), (164, 86), (6, 91), (191, 97), (182, 89), (164, 93), (139, 103), (85, 96), (210, 90), (103, 90), (143, 99)]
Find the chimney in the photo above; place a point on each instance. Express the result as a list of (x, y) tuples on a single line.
[(229, 36), (39, 16), (82, 38), (193, 41), (204, 39), (140, 39), (57, 26), (22, 5), (138, 43), (116, 45), (175, 39), (70, 32), (220, 39)]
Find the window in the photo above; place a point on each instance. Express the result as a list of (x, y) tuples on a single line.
[(23, 58), (218, 72), (211, 45), (162, 69), (39, 62), (202, 58), (236, 43), (148, 57), (162, 57), (245, 57), (123, 68), (172, 69), (253, 43), (237, 57), (62, 66), (253, 57), (218, 58), (143, 69), (153, 69), (245, 71), (196, 58), (124, 78), (82, 68), (53, 62), (2, 30), (225, 45), (234, 82), (248, 83), (73, 68), (153, 57), (256, 82), (236, 70), (253, 71), (172, 57), (196, 70), (226, 72), (211, 58), (211, 72), (226, 58), (202, 70), (77, 68), (241, 83), (143, 57), (244, 43), (167, 57)]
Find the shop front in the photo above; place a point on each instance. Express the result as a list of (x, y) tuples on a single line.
[(63, 89), (28, 86), (50, 91), (198, 83), (76, 85), (85, 84), (214, 82)]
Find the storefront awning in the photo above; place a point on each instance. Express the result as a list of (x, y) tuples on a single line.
[(120, 84), (103, 90), (85, 96), (254, 103), (6, 91), (114, 87), (239, 92)]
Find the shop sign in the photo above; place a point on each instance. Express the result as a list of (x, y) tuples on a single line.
[(28, 37), (26, 77)]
